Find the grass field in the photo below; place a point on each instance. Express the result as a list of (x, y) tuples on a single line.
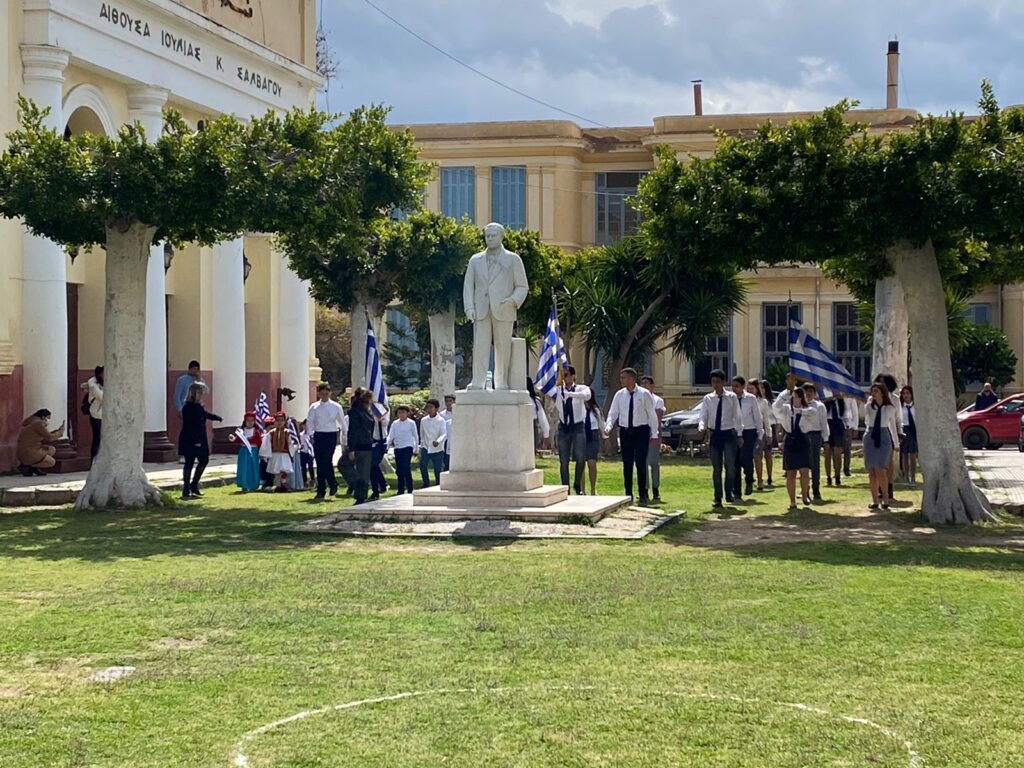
[(672, 651)]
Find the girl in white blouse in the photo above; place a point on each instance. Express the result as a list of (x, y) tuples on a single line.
[(881, 436), (791, 409), (763, 452)]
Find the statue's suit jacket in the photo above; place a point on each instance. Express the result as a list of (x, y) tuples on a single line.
[(485, 291)]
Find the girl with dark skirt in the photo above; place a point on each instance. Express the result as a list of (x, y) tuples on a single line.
[(881, 436), (791, 409), (592, 430), (908, 446), (835, 408)]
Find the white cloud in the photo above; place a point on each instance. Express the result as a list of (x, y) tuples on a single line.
[(592, 13)]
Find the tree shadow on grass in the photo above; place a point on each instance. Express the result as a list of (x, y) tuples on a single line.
[(62, 533), (807, 534)]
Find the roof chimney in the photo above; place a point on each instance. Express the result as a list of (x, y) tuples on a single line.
[(892, 86), (698, 100)]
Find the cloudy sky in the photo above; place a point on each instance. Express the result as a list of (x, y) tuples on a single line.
[(622, 62)]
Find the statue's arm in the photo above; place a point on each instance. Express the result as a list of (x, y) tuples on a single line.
[(468, 297), (522, 287)]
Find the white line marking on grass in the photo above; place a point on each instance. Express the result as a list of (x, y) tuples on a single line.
[(914, 760)]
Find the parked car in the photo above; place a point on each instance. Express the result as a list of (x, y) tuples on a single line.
[(995, 426), (679, 428)]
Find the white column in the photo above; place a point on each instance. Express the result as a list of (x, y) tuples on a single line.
[(228, 330), (293, 331), (44, 312), (145, 106)]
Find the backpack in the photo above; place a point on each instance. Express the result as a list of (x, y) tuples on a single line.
[(86, 405)]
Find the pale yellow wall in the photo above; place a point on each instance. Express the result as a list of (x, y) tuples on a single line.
[(188, 307), (10, 231), (262, 290), (285, 26)]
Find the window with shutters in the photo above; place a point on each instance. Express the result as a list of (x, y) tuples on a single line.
[(508, 196), (458, 193)]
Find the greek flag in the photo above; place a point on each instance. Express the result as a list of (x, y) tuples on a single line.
[(262, 409), (293, 432), (374, 375), (552, 358), (810, 361)]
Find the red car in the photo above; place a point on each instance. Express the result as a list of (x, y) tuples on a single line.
[(994, 426)]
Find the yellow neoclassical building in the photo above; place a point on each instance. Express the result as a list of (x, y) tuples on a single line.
[(235, 307), (573, 185)]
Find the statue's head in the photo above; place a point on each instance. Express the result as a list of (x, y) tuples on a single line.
[(494, 234)]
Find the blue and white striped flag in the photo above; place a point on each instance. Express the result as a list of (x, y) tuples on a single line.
[(262, 409), (374, 374), (553, 359), (809, 360), (293, 432)]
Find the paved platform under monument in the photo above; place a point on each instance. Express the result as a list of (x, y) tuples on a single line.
[(402, 509)]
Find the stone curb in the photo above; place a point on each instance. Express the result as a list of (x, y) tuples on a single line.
[(57, 495)]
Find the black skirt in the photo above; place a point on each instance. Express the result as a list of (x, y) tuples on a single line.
[(909, 442), (836, 432), (796, 452)]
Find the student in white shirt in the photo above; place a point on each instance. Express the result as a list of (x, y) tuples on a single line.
[(326, 419), (908, 445), (593, 425), (570, 403), (720, 417), (753, 430), (793, 412), (818, 434), (433, 433), (447, 414), (382, 418), (633, 411), (403, 436), (541, 425), (851, 421), (891, 386), (882, 433), (654, 454), (763, 451)]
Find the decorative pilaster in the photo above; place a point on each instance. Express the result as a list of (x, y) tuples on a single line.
[(227, 279)]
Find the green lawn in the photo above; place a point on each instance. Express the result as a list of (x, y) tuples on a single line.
[(652, 653)]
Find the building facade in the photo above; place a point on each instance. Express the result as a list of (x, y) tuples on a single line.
[(236, 307), (573, 185)]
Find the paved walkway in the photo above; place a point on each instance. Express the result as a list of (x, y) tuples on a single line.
[(18, 491), (1001, 475)]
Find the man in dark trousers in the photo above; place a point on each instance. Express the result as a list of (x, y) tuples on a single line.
[(753, 431), (634, 413), (571, 404), (326, 420), (720, 415)]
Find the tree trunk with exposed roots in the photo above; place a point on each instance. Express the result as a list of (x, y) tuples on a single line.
[(950, 497), (442, 353), (116, 477), (891, 332), (364, 308)]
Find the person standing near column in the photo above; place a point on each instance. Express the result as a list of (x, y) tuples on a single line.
[(753, 430), (94, 394), (325, 421), (817, 433), (181, 386), (433, 430), (633, 411), (448, 414), (720, 415), (571, 404), (654, 453)]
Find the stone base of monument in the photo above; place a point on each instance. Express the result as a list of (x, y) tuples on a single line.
[(493, 473)]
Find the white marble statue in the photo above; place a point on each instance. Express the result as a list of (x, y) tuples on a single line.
[(494, 290)]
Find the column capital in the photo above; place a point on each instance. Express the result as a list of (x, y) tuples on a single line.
[(147, 99), (44, 62)]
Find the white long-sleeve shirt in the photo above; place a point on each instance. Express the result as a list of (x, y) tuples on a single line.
[(326, 417), (731, 419), (889, 421), (852, 416), (750, 414), (786, 413), (433, 429), (644, 414), (578, 396), (403, 434), (818, 422), (542, 419), (767, 418)]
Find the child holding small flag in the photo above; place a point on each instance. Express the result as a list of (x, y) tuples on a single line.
[(279, 451), (248, 439)]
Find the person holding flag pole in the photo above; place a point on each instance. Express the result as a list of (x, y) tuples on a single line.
[(380, 411)]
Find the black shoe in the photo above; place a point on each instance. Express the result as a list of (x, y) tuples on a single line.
[(281, 489), (657, 498), (36, 472), (890, 491), (644, 501), (375, 497), (319, 497), (830, 482), (334, 492), (806, 501), (717, 503), (839, 483), (730, 500), (25, 470), (769, 482), (848, 474), (195, 491), (872, 506), (817, 498), (750, 490)]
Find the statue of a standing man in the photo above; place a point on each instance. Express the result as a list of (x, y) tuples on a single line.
[(494, 290)]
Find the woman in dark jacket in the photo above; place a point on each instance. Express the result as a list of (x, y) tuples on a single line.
[(360, 441), (192, 441)]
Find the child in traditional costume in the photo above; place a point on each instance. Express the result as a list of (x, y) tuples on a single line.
[(249, 439), (279, 451), (266, 478)]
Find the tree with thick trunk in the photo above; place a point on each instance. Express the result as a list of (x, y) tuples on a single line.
[(949, 494), (889, 343), (937, 203), (125, 192), (442, 352), (366, 307)]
